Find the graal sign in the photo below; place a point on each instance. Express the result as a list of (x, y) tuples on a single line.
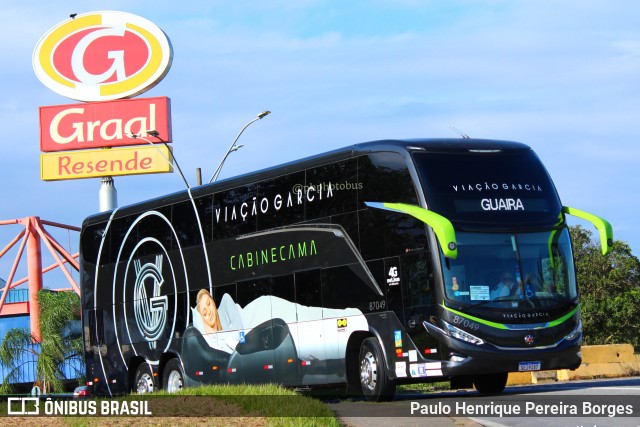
[(101, 56), (103, 124), (96, 163)]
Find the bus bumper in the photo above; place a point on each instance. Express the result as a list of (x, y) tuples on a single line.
[(464, 358)]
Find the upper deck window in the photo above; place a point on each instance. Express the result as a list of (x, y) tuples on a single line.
[(503, 188)]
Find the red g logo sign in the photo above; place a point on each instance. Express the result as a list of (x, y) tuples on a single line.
[(101, 56)]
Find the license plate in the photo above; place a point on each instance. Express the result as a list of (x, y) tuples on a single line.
[(529, 366)]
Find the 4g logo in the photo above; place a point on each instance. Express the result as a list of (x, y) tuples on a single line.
[(393, 277), (101, 56)]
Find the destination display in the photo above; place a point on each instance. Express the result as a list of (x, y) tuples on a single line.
[(496, 187), (511, 204)]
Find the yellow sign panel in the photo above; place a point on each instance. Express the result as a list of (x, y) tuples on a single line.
[(99, 163)]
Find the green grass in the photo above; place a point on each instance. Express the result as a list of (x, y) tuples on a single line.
[(425, 387), (268, 400), (278, 405)]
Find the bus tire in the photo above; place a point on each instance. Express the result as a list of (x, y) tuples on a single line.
[(173, 376), (143, 380), (376, 384), (461, 382), (490, 383)]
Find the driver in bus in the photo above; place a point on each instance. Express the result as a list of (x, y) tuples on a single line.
[(506, 287)]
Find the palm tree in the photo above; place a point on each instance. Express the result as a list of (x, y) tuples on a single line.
[(61, 340)]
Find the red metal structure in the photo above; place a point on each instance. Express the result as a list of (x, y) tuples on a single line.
[(32, 236)]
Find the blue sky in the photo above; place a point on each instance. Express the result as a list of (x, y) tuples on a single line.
[(562, 77)]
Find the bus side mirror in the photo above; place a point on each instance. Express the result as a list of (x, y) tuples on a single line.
[(603, 226), (441, 226)]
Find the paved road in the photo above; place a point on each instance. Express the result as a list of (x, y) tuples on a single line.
[(603, 398)]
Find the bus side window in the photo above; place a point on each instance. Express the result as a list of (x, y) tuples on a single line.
[(96, 327), (251, 290), (204, 207), (384, 177), (273, 195), (185, 224), (283, 287), (343, 287), (343, 178), (234, 210), (308, 284), (90, 244)]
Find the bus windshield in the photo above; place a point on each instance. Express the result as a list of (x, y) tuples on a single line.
[(511, 270)]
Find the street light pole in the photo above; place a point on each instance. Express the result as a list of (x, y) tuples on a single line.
[(235, 147), (155, 134)]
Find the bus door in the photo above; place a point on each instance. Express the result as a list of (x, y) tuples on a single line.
[(418, 289)]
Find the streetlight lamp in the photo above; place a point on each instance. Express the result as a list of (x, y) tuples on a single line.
[(155, 134), (235, 147)]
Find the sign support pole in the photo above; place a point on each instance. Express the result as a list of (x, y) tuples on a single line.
[(34, 267), (108, 195)]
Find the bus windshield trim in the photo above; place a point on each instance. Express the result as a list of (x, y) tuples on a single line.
[(441, 226)]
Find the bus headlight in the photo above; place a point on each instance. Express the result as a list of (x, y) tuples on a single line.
[(574, 334), (462, 335)]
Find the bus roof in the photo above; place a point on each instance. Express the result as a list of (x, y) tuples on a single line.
[(402, 146)]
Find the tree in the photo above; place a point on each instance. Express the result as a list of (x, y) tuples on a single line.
[(61, 340), (609, 287)]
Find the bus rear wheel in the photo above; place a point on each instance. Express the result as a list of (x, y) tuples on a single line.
[(173, 376), (490, 383), (376, 384), (143, 381)]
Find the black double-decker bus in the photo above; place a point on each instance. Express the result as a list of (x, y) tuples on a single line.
[(378, 264)]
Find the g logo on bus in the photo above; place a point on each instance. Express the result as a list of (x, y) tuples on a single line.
[(150, 311), (145, 287), (528, 339)]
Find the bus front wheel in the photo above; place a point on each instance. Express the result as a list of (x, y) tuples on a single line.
[(490, 383), (143, 381), (376, 384), (173, 376)]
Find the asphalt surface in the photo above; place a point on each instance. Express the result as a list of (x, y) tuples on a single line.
[(399, 412), (364, 414)]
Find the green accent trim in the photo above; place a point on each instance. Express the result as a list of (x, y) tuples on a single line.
[(552, 237), (603, 226), (564, 318), (476, 319), (496, 325), (441, 226)]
